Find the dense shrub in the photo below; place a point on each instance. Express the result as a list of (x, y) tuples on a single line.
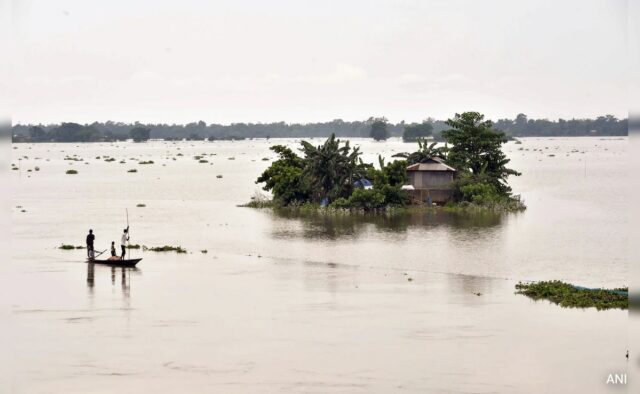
[(366, 199), (479, 193)]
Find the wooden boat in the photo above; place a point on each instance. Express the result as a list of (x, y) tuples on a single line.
[(117, 263)]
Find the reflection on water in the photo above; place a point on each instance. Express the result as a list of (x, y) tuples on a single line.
[(124, 273), (337, 225)]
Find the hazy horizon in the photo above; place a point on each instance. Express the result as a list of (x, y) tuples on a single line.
[(14, 123), (302, 62)]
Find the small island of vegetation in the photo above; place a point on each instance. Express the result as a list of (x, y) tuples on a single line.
[(334, 176), (570, 296)]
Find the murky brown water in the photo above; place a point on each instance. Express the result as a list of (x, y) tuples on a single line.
[(283, 303)]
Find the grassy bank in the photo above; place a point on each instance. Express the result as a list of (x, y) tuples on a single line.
[(570, 296)]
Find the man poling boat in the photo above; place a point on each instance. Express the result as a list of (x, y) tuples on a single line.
[(114, 259), (123, 242)]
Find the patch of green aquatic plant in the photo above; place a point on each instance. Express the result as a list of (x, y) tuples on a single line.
[(166, 248), (141, 205), (147, 162), (133, 246), (570, 296), (203, 161), (110, 159), (132, 170), (69, 247), (71, 172)]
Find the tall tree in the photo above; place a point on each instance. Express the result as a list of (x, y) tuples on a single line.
[(477, 148), (37, 134), (74, 132), (284, 177), (417, 130), (140, 134), (379, 130)]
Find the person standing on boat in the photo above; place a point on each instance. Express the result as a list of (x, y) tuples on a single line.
[(90, 239), (113, 249), (123, 242)]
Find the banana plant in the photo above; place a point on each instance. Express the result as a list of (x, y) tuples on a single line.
[(424, 153)]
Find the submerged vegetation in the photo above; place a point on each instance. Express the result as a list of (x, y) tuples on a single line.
[(570, 296), (69, 247), (166, 248), (333, 175)]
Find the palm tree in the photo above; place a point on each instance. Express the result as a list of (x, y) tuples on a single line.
[(424, 153), (331, 168)]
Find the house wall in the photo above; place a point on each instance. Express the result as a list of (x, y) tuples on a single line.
[(430, 179), (438, 196), (431, 186)]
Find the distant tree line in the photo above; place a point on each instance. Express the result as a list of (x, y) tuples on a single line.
[(378, 128)]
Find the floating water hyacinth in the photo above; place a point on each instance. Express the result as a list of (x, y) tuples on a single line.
[(570, 296), (166, 248)]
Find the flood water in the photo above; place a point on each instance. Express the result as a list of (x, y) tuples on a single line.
[(306, 303)]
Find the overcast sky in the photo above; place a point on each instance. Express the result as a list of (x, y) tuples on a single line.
[(302, 61)]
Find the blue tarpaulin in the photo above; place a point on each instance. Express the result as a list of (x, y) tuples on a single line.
[(363, 183)]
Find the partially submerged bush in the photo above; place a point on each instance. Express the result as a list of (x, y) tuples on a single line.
[(71, 172), (570, 296), (366, 199), (259, 200), (479, 193)]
